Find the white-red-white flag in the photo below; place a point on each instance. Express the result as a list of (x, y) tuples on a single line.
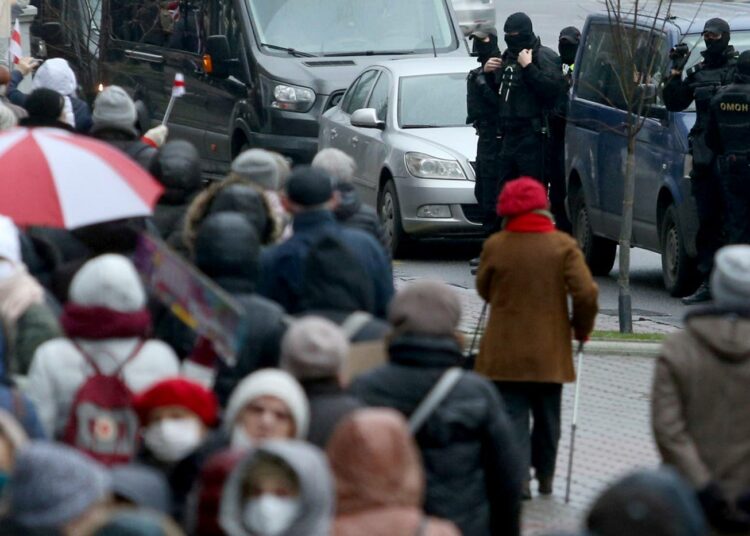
[(178, 88), (16, 50)]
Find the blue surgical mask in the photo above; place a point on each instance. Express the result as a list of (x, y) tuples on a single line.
[(4, 477)]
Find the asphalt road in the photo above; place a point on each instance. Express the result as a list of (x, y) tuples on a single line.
[(449, 262)]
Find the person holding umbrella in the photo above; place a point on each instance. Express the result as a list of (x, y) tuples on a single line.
[(526, 273)]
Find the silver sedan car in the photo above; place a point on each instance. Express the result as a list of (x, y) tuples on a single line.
[(404, 123)]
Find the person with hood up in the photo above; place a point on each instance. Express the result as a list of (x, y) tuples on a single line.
[(526, 274), (54, 489), (114, 121), (107, 324), (379, 478), (27, 320), (649, 503), (311, 199), (228, 251), (177, 166), (700, 398), (314, 351), (529, 81), (268, 172), (350, 211), (480, 489), (45, 108), (229, 195), (176, 417), (54, 74), (283, 488)]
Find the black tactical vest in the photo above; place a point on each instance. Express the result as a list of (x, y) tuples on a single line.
[(732, 109)]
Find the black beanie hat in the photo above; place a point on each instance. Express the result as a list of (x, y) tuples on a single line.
[(45, 103), (308, 186)]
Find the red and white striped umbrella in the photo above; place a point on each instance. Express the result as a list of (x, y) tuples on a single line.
[(53, 178)]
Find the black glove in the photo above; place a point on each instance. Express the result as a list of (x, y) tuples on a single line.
[(679, 56), (719, 512)]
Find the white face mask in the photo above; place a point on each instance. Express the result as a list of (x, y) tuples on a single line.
[(240, 440), (171, 440), (270, 515)]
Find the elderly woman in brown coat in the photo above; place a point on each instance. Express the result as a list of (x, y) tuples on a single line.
[(379, 478), (526, 273)]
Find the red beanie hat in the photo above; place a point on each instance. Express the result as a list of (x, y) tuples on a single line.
[(178, 392), (521, 196)]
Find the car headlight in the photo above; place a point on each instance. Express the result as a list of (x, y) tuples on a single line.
[(292, 98), (428, 167)]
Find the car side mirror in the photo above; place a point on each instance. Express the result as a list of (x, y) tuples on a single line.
[(367, 118), (51, 33), (218, 58)]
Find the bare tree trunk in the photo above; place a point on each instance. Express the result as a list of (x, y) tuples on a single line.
[(624, 301)]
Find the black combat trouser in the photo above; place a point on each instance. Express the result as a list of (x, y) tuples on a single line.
[(557, 187), (537, 444), (485, 187), (709, 201), (735, 184)]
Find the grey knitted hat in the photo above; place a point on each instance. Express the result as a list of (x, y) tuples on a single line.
[(730, 279), (113, 108), (258, 166), (53, 484), (314, 348), (426, 308)]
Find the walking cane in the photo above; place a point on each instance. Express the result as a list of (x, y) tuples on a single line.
[(574, 423), (476, 331)]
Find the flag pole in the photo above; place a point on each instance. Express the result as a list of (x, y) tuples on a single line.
[(169, 109)]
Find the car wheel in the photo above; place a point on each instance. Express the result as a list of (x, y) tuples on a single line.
[(390, 216), (599, 252), (679, 270)]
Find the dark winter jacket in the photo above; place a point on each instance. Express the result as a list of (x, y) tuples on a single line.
[(129, 143), (351, 212), (81, 110), (283, 267), (227, 250), (473, 468), (329, 403), (177, 167)]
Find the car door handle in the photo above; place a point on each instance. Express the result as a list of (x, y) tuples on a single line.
[(144, 56), (355, 141), (334, 134)]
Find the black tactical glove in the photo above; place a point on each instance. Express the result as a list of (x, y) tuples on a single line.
[(679, 56), (720, 513)]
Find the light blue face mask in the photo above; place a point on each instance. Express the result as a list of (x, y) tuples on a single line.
[(4, 477)]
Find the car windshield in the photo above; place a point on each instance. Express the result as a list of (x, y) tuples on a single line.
[(353, 27), (432, 101), (739, 39)]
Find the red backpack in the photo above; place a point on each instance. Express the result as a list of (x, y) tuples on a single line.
[(102, 421)]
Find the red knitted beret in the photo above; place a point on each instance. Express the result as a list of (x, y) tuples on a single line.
[(520, 196), (178, 392)]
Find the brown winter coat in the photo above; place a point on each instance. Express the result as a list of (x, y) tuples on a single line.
[(379, 478), (526, 278), (700, 402)]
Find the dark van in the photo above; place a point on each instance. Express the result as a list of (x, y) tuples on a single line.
[(665, 219), (258, 73)]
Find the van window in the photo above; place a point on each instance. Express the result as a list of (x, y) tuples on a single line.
[(358, 93), (608, 77), (353, 27), (178, 25)]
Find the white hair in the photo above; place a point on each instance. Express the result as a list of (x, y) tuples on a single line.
[(336, 163)]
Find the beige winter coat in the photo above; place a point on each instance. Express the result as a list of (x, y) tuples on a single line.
[(700, 402)]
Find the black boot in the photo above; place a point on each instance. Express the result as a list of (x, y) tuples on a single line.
[(703, 294)]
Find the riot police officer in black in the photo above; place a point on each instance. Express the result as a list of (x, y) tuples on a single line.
[(567, 46), (701, 84), (529, 81), (482, 108), (729, 137)]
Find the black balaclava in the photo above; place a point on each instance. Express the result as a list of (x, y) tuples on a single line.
[(715, 48), (519, 23), (486, 50), (567, 46)]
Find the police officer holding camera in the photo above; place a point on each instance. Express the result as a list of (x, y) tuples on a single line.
[(728, 134), (528, 80), (701, 84)]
